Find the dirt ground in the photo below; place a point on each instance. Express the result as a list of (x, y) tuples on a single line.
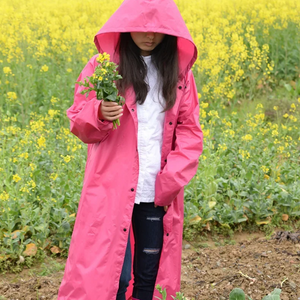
[(253, 263)]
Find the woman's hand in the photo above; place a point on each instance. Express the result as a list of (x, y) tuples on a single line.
[(165, 207), (110, 111)]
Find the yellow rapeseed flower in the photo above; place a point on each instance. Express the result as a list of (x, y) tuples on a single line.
[(53, 100), (52, 112), (7, 70), (53, 176), (16, 178), (41, 142), (265, 169), (32, 166), (44, 68), (66, 158), (293, 107), (223, 147), (11, 96), (247, 137), (4, 196), (24, 155)]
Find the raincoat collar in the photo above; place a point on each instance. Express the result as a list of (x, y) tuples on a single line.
[(160, 16)]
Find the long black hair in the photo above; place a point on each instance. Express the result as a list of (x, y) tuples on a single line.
[(134, 70)]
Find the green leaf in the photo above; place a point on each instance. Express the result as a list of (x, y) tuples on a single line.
[(275, 295), (237, 294)]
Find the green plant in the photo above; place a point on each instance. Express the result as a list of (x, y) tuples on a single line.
[(238, 294), (163, 292)]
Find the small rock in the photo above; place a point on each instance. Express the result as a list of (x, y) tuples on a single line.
[(187, 246), (292, 285)]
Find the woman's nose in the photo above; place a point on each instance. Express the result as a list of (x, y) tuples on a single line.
[(150, 35)]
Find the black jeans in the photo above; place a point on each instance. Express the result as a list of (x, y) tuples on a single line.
[(147, 223)]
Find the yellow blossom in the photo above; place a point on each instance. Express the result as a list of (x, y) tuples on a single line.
[(53, 100), (44, 68), (223, 147), (293, 107), (7, 70), (4, 196), (16, 178), (204, 105), (41, 142), (247, 137), (244, 153), (32, 166), (67, 158), (52, 112), (24, 155), (205, 132), (265, 169), (11, 96)]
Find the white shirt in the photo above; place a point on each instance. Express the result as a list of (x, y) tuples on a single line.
[(150, 135)]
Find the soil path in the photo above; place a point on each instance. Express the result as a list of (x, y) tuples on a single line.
[(253, 263)]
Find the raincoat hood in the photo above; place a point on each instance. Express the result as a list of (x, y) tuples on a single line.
[(160, 16)]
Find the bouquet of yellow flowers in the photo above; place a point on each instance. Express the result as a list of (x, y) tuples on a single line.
[(103, 82)]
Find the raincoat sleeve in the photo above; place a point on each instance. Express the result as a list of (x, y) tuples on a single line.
[(83, 114), (182, 162)]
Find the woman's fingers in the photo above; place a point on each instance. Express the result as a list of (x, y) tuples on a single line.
[(111, 110), (114, 118), (165, 207)]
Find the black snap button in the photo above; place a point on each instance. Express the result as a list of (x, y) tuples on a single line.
[(167, 234), (165, 160), (132, 189), (132, 109), (185, 87), (180, 87), (124, 229), (170, 123)]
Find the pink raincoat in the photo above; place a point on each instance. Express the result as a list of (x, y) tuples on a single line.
[(103, 219)]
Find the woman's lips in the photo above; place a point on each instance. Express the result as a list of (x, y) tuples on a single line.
[(149, 44)]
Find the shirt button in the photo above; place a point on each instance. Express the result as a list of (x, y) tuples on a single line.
[(170, 123), (124, 229), (165, 160), (132, 109), (167, 234), (132, 189), (180, 87)]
